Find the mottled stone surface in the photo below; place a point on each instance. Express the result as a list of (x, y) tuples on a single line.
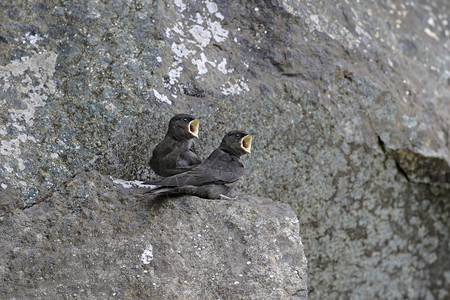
[(98, 240), (349, 102)]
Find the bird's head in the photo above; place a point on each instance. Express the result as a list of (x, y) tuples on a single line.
[(184, 126), (237, 142)]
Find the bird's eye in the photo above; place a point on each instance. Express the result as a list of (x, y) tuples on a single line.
[(185, 120), (238, 135)]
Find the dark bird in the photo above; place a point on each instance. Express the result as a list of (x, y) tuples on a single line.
[(215, 177), (175, 153)]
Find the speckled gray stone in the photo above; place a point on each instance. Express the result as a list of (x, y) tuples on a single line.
[(348, 102), (98, 240)]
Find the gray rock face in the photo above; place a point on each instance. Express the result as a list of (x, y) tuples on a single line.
[(349, 103), (97, 240)]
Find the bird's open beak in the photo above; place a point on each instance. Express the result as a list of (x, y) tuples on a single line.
[(193, 127), (246, 143)]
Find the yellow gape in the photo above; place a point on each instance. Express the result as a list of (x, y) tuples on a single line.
[(246, 143), (193, 127)]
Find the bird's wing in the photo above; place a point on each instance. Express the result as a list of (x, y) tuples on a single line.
[(171, 157), (187, 159), (219, 167), (179, 162)]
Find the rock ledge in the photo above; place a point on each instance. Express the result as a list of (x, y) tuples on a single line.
[(96, 239)]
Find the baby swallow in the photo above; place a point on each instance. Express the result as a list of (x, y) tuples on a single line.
[(215, 177), (175, 153)]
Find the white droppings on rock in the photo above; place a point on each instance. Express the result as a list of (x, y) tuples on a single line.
[(201, 64), (198, 19), (129, 184), (180, 5), (23, 138), (161, 97), (293, 221), (8, 168), (314, 19), (33, 38), (235, 89), (147, 255), (218, 32), (431, 34), (168, 33), (201, 35), (181, 51), (174, 74), (212, 7), (190, 37), (177, 29), (222, 67), (4, 186)]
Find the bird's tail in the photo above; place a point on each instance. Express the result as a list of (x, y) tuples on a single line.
[(159, 191), (153, 182)]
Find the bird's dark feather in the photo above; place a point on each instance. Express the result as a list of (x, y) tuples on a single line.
[(172, 157), (220, 167), (216, 176)]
